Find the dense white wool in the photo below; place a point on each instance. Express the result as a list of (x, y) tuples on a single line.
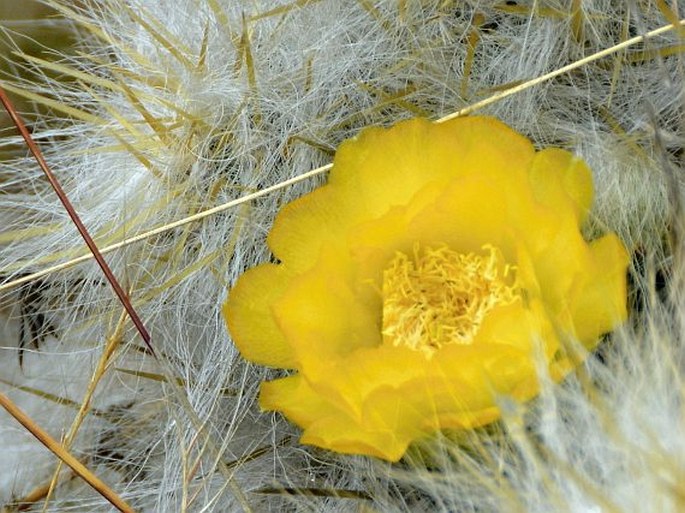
[(186, 104)]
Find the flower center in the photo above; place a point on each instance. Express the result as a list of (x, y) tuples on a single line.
[(439, 296)]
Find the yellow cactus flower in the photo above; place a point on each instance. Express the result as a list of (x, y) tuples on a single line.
[(429, 276)]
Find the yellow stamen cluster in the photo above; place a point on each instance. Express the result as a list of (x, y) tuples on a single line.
[(440, 296)]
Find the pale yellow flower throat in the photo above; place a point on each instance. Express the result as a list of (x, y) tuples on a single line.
[(439, 296)]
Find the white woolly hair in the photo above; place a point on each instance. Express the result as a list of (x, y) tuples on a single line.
[(166, 108)]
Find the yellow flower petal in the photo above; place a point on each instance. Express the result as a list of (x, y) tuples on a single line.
[(598, 303), (478, 212), (386, 167), (303, 226), (293, 397), (320, 316), (518, 326), (328, 427), (558, 261), (247, 314), (345, 436), (558, 178)]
